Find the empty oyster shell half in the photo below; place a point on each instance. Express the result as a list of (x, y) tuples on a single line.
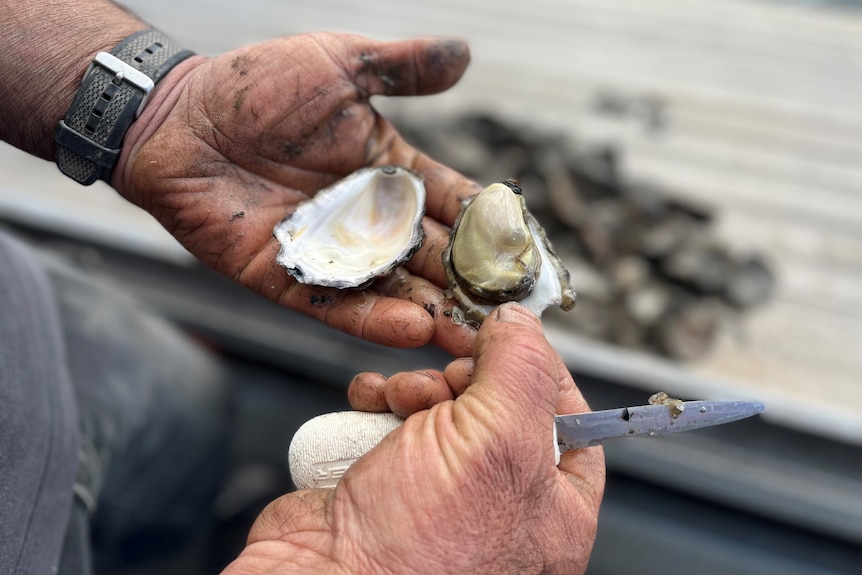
[(356, 230), (498, 252)]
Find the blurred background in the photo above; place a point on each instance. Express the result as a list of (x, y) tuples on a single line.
[(698, 165)]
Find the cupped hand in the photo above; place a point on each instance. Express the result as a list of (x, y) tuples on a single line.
[(468, 486), (227, 147)]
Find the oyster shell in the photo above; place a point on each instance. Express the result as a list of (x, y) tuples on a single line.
[(358, 229), (498, 252)]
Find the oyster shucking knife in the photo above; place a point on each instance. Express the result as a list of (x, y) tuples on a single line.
[(324, 448)]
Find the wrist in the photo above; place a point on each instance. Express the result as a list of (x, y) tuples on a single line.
[(113, 92), (162, 100)]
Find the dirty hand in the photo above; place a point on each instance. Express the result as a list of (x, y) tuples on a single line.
[(229, 146), (468, 486)]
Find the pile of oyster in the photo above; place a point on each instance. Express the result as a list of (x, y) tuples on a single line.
[(649, 272)]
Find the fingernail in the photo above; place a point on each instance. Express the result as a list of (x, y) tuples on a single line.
[(453, 48), (514, 313)]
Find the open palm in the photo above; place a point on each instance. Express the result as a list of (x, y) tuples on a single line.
[(232, 146)]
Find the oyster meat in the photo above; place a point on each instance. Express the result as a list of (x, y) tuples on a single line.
[(358, 229), (498, 252)]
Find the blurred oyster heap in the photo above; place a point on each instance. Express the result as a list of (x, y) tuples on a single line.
[(648, 272)]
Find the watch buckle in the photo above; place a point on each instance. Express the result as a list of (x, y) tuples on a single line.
[(123, 72)]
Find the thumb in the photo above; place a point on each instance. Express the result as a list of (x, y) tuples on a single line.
[(516, 379), (299, 511), (409, 67)]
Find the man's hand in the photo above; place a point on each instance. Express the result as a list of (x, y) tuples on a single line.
[(468, 486), (229, 146)]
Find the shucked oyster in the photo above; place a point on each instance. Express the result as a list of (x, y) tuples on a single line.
[(358, 229), (498, 252)]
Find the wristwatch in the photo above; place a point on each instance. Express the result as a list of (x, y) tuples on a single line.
[(112, 94)]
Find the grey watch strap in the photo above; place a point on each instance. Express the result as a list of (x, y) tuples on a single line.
[(112, 94)]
